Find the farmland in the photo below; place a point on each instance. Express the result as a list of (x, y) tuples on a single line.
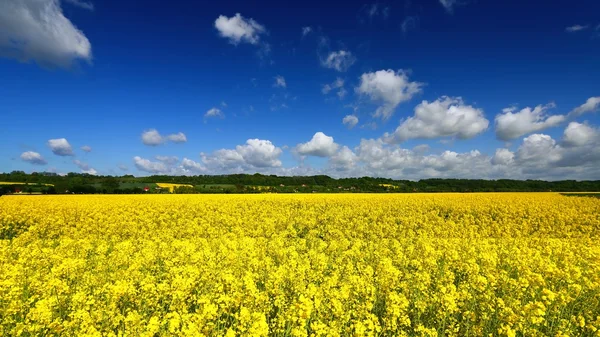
[(507, 264)]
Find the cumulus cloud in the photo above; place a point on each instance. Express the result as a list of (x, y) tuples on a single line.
[(576, 28), (503, 157), (60, 147), (279, 82), (214, 113), (444, 117), (343, 160), (256, 153), (33, 158), (511, 124), (592, 104), (86, 148), (381, 159), (577, 134), (123, 167), (388, 88), (37, 30), (169, 160), (320, 145), (539, 156), (339, 60), (146, 165), (538, 148), (152, 137), (177, 138), (239, 29), (192, 166), (350, 121)]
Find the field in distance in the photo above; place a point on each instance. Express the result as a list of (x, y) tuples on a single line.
[(501, 264)]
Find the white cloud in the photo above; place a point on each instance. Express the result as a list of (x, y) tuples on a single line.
[(90, 171), (576, 28), (279, 82), (81, 165), (350, 121), (320, 145), (339, 60), (150, 166), (380, 159), (388, 88), (337, 84), (152, 137), (577, 134), (214, 112), (81, 4), (511, 124), (444, 117), (306, 31), (538, 148), (60, 147), (169, 160), (422, 148), (123, 167), (592, 104), (85, 167), (537, 157), (256, 153), (192, 166), (37, 30), (260, 153), (177, 138), (239, 29), (343, 160), (503, 157), (86, 148), (33, 158)]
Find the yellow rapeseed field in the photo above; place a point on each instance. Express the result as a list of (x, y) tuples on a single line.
[(32, 184), (300, 265)]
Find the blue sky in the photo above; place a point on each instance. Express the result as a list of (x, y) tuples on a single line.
[(402, 89)]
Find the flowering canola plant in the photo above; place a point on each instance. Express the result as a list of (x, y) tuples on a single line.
[(171, 187), (504, 264)]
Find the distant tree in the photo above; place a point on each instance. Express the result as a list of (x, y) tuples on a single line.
[(110, 184)]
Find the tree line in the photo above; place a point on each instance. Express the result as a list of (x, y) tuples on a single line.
[(259, 183)]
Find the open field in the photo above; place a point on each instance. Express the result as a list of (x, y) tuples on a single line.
[(505, 264), (31, 184)]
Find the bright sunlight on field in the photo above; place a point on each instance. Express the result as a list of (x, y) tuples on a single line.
[(300, 265)]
